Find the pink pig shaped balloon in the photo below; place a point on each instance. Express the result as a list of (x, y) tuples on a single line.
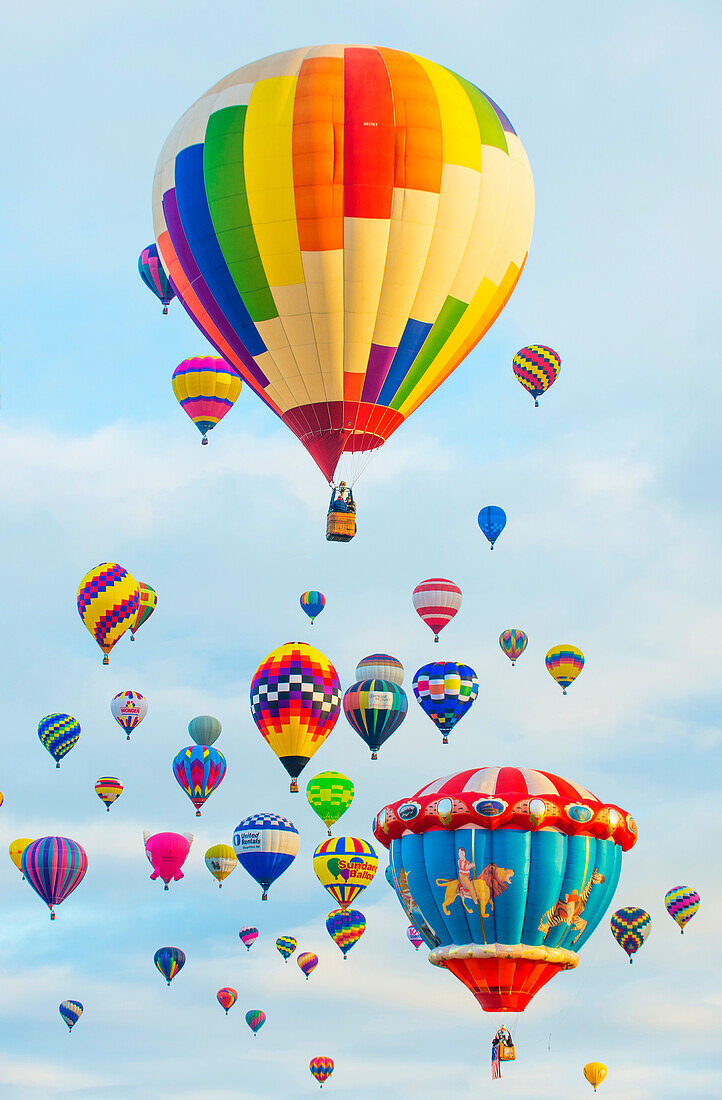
[(167, 852)]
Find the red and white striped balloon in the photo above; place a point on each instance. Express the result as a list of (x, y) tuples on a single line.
[(437, 600)]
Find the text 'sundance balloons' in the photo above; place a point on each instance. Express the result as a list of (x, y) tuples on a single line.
[(108, 788), (505, 872), (221, 860), (295, 703), (513, 642), (312, 603), (16, 849), (147, 603), (437, 600), (307, 963), (492, 521), (129, 708), (286, 945), (375, 709), (199, 769), (108, 600), (681, 902), (277, 216), (151, 272), (226, 997), (169, 961), (564, 663), (329, 795), (204, 729), (321, 1069), (445, 691), (266, 845), (630, 928), (54, 866), (248, 937), (345, 927), (345, 866), (536, 368), (255, 1019), (206, 389), (58, 733), (167, 852), (71, 1011), (595, 1072), (414, 936), (380, 666)]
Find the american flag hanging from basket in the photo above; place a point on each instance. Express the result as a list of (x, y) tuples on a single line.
[(495, 1061)]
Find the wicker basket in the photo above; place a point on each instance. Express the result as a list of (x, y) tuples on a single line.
[(340, 526)]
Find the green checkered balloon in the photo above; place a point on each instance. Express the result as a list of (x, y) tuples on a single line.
[(329, 795)]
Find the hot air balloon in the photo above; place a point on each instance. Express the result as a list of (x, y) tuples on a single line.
[(329, 795), (152, 273), (445, 692), (266, 845), (595, 1072), (312, 603), (147, 603), (204, 730), (226, 998), (325, 221), (129, 708), (167, 852), (248, 937), (295, 702), (108, 788), (492, 521), (58, 733), (286, 945), (345, 865), (380, 666), (220, 861), (108, 601), (513, 642), (375, 709), (564, 663), (681, 902), (307, 963), (206, 388), (506, 872), (536, 367), (199, 769), (16, 849), (414, 937), (71, 1011), (169, 961), (345, 927), (255, 1020), (437, 601), (54, 866), (630, 928), (321, 1069)]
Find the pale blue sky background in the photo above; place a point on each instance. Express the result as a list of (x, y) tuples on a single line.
[(612, 493)]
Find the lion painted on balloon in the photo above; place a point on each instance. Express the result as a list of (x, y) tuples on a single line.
[(482, 890)]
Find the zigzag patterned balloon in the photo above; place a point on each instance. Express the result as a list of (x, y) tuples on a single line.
[(681, 902), (108, 600), (630, 928)]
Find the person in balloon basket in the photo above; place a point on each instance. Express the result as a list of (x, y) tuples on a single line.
[(342, 499)]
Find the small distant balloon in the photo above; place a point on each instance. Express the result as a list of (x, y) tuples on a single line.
[(204, 729), (380, 666), (167, 852), (375, 709), (221, 860), (313, 603), (71, 1011), (307, 963), (321, 1069), (248, 937), (153, 275), (437, 600), (595, 1072), (206, 389), (345, 927), (681, 902), (129, 708), (255, 1020), (108, 601), (169, 961), (513, 642), (108, 788), (345, 866), (148, 601), (329, 795), (414, 936), (536, 368), (199, 770), (58, 733), (492, 521), (630, 928), (266, 845), (286, 945), (16, 849), (564, 663), (226, 998)]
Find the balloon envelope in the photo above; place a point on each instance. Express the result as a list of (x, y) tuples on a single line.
[(248, 937), (564, 663), (71, 1011), (54, 866), (286, 945), (329, 795), (169, 961), (312, 603), (204, 730), (167, 852), (147, 603), (108, 600), (345, 927), (681, 902), (129, 708), (108, 788), (255, 1019), (343, 223), (151, 272), (16, 849), (199, 769), (414, 936), (513, 642), (535, 368), (380, 666), (595, 1072), (345, 865), (630, 928), (492, 521), (321, 1069), (445, 692), (220, 860), (206, 389), (58, 733), (436, 600), (226, 998), (307, 963), (375, 709), (266, 845)]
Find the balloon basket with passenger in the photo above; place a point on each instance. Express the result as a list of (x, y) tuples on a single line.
[(341, 518)]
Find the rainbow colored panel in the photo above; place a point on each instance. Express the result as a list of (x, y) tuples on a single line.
[(344, 223)]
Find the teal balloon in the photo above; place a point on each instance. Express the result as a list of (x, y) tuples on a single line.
[(492, 521), (204, 730)]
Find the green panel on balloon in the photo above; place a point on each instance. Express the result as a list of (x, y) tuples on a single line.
[(451, 313), (490, 128)]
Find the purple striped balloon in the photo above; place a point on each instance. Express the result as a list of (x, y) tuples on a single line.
[(54, 866)]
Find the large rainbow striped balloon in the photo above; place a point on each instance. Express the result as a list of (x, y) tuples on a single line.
[(343, 223)]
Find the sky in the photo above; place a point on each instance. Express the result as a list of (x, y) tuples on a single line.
[(612, 493)]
